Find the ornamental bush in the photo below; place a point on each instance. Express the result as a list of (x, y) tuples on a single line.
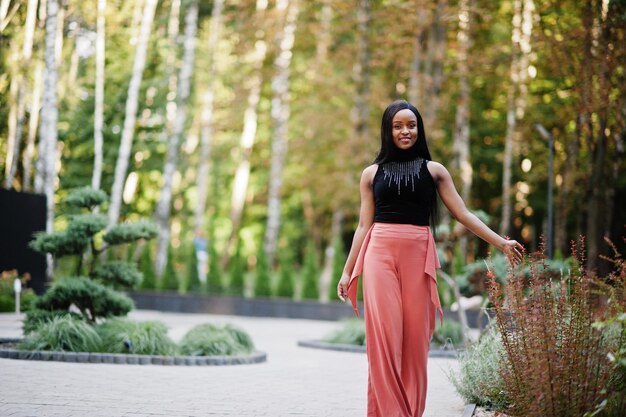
[(63, 333), (120, 335), (90, 288), (209, 339)]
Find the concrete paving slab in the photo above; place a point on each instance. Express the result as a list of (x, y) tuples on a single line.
[(294, 381)]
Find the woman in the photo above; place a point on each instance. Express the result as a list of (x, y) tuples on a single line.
[(394, 247)]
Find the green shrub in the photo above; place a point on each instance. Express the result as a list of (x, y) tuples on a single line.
[(339, 260), (450, 333), (310, 273), (262, 275), (237, 272), (94, 300), (214, 284), (121, 335), (169, 279), (35, 318), (86, 197), (209, 340), (351, 332), (192, 280), (147, 268), (118, 273), (131, 232), (63, 333), (285, 286), (7, 295), (478, 380)]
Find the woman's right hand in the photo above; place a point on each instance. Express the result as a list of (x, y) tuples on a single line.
[(342, 287)]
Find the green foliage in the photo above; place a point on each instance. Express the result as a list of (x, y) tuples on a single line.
[(141, 338), (59, 244), (310, 273), (169, 280), (94, 300), (35, 318), (130, 232), (286, 274), (478, 380), (208, 340), (147, 268), (118, 273), (262, 274), (86, 197), (192, 280), (450, 333), (351, 332), (7, 295), (214, 276), (237, 272), (63, 333), (339, 260)]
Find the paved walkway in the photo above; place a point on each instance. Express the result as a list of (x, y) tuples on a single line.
[(294, 381)]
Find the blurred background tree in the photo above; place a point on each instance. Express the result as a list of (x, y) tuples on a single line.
[(482, 73)]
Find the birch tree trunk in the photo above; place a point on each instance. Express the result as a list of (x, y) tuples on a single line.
[(49, 118), (516, 98), (27, 51), (513, 88), (433, 65), (33, 123), (242, 174), (462, 129), (172, 75), (163, 209), (98, 119), (207, 117), (280, 117), (360, 74), (121, 166)]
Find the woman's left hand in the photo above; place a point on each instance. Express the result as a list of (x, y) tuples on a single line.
[(513, 251)]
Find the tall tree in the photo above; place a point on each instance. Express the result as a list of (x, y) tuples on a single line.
[(33, 123), (516, 97), (242, 174), (207, 117), (98, 117), (280, 117), (49, 119), (164, 205), (173, 25), (462, 163), (15, 141), (132, 99)]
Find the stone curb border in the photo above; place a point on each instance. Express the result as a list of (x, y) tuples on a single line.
[(318, 344), (469, 410), (128, 359)]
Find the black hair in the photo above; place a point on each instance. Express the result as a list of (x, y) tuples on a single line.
[(389, 152)]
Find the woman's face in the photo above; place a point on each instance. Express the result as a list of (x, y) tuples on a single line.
[(404, 129)]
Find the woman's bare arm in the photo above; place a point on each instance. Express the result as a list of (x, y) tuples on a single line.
[(366, 218), (456, 206)]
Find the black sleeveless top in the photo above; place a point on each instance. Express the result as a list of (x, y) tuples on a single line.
[(403, 192)]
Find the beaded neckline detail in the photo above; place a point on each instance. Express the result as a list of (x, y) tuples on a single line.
[(400, 173)]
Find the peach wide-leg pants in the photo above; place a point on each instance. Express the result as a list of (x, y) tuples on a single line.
[(400, 294)]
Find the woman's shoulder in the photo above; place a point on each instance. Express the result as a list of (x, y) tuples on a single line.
[(436, 169), (369, 173)]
